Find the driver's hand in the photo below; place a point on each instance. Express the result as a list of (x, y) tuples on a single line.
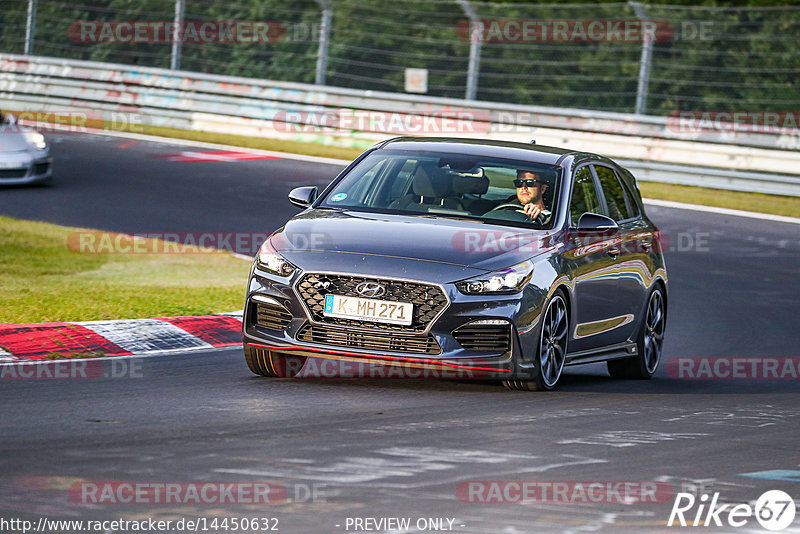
[(532, 210)]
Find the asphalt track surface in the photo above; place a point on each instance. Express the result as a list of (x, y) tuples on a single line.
[(402, 448)]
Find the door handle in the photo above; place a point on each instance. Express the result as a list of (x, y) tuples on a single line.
[(613, 252)]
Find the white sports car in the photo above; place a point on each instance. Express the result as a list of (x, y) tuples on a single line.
[(24, 154)]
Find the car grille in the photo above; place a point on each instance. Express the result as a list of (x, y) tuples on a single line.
[(378, 341), (40, 168), (272, 316), (428, 300), (13, 173), (488, 338)]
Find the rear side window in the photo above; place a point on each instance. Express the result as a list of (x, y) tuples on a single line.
[(584, 196), (620, 204), (631, 194)]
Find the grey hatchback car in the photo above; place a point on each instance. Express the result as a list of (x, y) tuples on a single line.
[(499, 260)]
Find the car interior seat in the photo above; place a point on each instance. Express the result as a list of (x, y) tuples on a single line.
[(432, 187), (470, 189)]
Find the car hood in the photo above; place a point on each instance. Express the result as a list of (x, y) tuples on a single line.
[(458, 243), (13, 142)]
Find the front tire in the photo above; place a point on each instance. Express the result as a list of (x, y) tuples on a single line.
[(552, 350), (269, 363), (649, 343)]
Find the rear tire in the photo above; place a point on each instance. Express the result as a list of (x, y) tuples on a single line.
[(269, 363), (649, 343), (552, 350)]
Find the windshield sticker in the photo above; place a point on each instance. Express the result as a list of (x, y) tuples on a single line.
[(338, 196)]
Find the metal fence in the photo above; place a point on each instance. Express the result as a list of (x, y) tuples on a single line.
[(560, 55)]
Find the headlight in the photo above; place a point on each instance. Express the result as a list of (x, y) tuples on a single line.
[(510, 280), (36, 139), (271, 261)]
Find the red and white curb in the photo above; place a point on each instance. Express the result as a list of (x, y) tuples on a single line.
[(215, 155), (21, 342), (6, 357)]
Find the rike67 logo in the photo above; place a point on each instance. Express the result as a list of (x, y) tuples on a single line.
[(774, 510)]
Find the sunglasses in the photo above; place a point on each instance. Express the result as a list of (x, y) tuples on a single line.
[(527, 183)]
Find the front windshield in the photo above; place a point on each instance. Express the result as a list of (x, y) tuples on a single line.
[(490, 190)]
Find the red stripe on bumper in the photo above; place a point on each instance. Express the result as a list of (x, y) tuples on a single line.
[(398, 359)]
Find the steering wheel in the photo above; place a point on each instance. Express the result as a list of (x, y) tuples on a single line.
[(541, 218)]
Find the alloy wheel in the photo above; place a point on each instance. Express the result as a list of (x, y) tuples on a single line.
[(654, 331), (553, 341)]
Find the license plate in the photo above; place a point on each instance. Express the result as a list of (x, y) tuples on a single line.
[(379, 311)]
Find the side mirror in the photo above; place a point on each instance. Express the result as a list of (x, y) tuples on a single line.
[(302, 197), (596, 222)]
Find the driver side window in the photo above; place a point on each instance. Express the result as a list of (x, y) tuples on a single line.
[(584, 196)]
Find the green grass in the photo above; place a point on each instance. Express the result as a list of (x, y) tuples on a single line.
[(44, 280)]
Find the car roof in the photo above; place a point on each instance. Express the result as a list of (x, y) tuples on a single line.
[(486, 147)]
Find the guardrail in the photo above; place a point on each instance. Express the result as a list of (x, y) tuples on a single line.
[(652, 147)]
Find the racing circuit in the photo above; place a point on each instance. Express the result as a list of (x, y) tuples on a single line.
[(433, 450)]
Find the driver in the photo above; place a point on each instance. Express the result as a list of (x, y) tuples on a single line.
[(530, 189)]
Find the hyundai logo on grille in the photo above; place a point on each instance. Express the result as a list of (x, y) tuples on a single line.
[(370, 289)]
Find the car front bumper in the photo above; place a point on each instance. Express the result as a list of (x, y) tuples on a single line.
[(22, 168), (471, 337)]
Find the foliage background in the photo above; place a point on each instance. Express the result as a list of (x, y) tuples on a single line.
[(745, 58)]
